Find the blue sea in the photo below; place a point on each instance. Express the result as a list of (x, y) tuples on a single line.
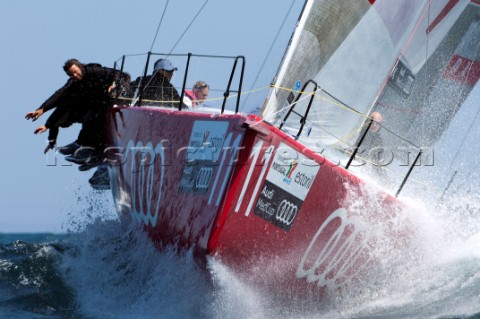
[(104, 269)]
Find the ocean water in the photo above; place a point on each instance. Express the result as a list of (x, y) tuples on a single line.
[(103, 269)]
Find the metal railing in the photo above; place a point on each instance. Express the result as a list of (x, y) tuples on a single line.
[(361, 138), (238, 60), (303, 118)]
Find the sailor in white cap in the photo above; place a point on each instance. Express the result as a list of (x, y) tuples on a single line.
[(164, 64), (157, 89)]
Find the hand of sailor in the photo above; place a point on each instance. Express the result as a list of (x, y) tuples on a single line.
[(40, 129), (34, 115)]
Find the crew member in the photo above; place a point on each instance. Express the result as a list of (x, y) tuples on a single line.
[(85, 99), (156, 89), (198, 94)]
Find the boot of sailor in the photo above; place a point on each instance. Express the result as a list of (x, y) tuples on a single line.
[(69, 149), (84, 155), (100, 180), (89, 165)]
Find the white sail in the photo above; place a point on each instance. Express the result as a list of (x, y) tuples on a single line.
[(432, 30), (349, 48)]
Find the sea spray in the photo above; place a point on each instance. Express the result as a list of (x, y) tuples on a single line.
[(85, 206), (118, 273)]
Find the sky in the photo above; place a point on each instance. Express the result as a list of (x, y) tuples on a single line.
[(40, 193)]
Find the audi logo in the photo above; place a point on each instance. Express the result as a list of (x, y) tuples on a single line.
[(330, 257), (286, 212), (144, 183), (204, 177)]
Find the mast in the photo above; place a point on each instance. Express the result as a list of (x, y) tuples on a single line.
[(291, 48)]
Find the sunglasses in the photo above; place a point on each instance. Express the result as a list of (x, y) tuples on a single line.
[(201, 86)]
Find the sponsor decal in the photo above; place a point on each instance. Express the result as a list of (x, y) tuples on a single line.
[(277, 206), (206, 141), (292, 172), (335, 251), (201, 160), (463, 70), (145, 185), (196, 178), (290, 99), (286, 186), (402, 79), (286, 212), (297, 85), (464, 66)]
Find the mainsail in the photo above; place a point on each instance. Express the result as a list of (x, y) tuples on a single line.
[(349, 50)]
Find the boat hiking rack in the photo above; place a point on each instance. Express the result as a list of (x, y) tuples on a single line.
[(237, 60)]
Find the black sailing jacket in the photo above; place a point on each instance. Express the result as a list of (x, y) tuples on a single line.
[(76, 98), (157, 91)]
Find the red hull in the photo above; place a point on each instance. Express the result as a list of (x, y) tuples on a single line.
[(241, 190)]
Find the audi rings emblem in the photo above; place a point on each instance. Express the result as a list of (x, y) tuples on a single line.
[(332, 258), (204, 178), (286, 212), (145, 184)]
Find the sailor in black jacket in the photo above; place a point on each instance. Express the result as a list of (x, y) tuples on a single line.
[(83, 99), (156, 89)]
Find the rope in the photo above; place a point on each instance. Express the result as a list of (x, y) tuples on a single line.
[(334, 102), (188, 27), (306, 95), (206, 100), (159, 24), (179, 39)]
